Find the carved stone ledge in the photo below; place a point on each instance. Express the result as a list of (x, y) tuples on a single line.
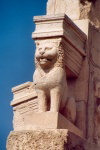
[(59, 25)]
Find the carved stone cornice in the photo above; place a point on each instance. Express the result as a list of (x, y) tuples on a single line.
[(59, 26)]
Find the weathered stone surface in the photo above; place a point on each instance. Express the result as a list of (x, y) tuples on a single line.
[(77, 10), (83, 21), (93, 131), (94, 14), (37, 140), (45, 139), (74, 9), (64, 6), (85, 7)]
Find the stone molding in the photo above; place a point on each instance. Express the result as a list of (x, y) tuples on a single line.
[(61, 19), (23, 93)]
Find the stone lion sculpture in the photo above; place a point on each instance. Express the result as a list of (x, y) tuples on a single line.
[(50, 78)]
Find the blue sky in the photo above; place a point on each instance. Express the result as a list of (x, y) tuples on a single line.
[(16, 53)]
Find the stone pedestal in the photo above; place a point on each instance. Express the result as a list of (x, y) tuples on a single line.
[(53, 139), (48, 120), (37, 140)]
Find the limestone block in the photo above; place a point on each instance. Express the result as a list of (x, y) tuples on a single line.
[(85, 6), (59, 25), (69, 7), (76, 10), (83, 24), (24, 101), (82, 82), (44, 139), (23, 92), (48, 120), (94, 14)]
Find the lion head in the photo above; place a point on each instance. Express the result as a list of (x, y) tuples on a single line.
[(48, 53)]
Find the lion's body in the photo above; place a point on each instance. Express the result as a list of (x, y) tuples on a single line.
[(50, 79), (55, 79)]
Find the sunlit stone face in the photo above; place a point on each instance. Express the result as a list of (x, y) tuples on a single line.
[(46, 53)]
